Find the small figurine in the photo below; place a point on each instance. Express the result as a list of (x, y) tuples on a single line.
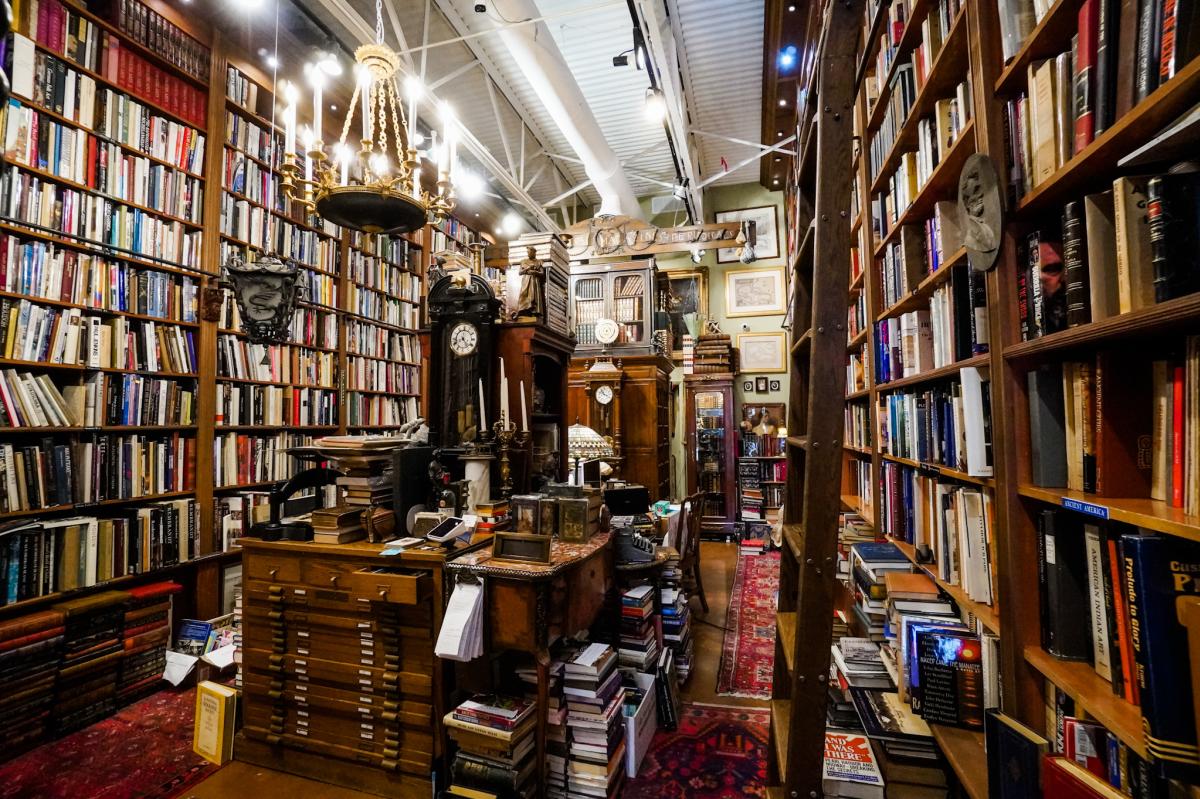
[(533, 275)]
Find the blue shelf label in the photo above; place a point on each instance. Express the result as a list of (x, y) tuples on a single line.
[(1099, 511)]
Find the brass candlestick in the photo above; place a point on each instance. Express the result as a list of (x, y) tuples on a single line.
[(506, 436)]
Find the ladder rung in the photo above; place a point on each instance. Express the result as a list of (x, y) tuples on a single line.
[(799, 442)]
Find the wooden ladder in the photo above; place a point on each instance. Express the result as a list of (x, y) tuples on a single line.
[(819, 282)]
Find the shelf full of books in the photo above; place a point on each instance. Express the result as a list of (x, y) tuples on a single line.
[(1040, 413)]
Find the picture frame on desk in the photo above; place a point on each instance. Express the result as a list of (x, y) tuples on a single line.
[(755, 292), (763, 352), (766, 227), (521, 547)]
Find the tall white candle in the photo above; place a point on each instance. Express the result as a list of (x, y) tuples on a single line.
[(416, 187), (482, 408), (504, 415), (289, 128), (318, 79), (364, 82), (413, 87), (524, 411)]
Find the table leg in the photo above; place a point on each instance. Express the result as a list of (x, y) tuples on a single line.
[(543, 708)]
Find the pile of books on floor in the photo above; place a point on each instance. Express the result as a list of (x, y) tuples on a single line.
[(713, 353), (677, 629), (639, 629), (147, 632), (558, 735), (91, 659), (752, 545), (595, 698), (496, 737), (30, 649), (869, 563)]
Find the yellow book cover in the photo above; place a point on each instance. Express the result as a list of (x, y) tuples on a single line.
[(212, 736)]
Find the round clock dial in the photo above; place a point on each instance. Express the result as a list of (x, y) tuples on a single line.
[(604, 395), (464, 338), (607, 331)]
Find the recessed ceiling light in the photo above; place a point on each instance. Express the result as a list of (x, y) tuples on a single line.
[(780, 134), (272, 61), (776, 181), (778, 158), (782, 102), (791, 8), (332, 107)]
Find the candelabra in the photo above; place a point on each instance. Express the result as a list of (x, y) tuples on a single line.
[(506, 436)]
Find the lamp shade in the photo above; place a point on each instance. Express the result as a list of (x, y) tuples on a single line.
[(585, 444)]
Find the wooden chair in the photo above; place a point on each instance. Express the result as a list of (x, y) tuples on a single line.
[(689, 545)]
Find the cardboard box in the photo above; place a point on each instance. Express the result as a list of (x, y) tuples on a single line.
[(641, 726)]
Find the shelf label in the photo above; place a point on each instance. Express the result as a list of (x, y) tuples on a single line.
[(1099, 511)]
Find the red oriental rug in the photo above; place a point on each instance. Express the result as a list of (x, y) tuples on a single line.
[(748, 653), (143, 751), (716, 753)]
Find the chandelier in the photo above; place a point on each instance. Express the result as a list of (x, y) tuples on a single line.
[(379, 188)]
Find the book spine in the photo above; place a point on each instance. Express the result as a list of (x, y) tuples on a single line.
[(1085, 77), (1075, 264)]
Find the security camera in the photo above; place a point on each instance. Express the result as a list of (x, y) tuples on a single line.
[(621, 60), (481, 8)]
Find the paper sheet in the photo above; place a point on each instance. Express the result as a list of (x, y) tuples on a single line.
[(461, 637), (179, 666)]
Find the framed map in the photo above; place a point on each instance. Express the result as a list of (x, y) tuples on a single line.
[(763, 352), (755, 292)]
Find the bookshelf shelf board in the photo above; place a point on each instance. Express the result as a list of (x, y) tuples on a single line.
[(802, 340), (63, 120), (1051, 37), (284, 383), (281, 215), (862, 393), (851, 502), (265, 484), (249, 157), (103, 81), (743, 457), (84, 507), (943, 471), (865, 452), (74, 367), (792, 534), (919, 297), (909, 39), (1081, 682), (859, 339), (856, 284), (254, 116), (781, 716), (376, 322), (74, 184), (148, 429), (12, 295), (26, 604), (929, 376), (945, 73), (221, 428), (799, 442), (987, 614), (785, 626), (942, 182), (964, 752), (1151, 321), (377, 426), (384, 360), (384, 292), (16, 228), (228, 331), (1149, 513), (312, 268), (1097, 163), (382, 392)]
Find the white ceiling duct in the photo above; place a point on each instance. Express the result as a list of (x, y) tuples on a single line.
[(538, 56)]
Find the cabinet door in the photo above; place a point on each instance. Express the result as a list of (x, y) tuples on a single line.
[(709, 421), (629, 292), (589, 307)]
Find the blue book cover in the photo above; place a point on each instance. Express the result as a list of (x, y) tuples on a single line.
[(879, 552), (1158, 570), (1014, 754)]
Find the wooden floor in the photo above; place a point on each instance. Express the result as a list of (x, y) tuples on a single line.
[(717, 562)]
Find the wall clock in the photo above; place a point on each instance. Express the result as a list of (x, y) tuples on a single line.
[(461, 359), (604, 395), (464, 338)]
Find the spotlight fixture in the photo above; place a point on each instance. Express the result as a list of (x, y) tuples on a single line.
[(791, 8), (698, 254), (655, 104), (621, 60), (782, 102), (480, 8), (787, 58), (778, 158), (680, 190), (512, 225), (272, 62)]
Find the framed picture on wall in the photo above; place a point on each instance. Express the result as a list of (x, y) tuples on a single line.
[(760, 385), (687, 305), (763, 352), (766, 232), (776, 385), (748, 386), (755, 292)]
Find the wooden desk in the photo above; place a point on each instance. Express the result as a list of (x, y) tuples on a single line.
[(532, 605)]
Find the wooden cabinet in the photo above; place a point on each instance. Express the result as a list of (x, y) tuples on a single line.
[(626, 293), (340, 679), (537, 357), (639, 419), (712, 448)]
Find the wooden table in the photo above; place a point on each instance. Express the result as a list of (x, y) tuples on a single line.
[(532, 605)]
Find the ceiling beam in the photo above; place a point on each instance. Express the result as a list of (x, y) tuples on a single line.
[(748, 161), (746, 142), (467, 67)]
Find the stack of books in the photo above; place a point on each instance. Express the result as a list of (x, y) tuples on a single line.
[(493, 516), (688, 346), (677, 628), (369, 490), (92, 651), (550, 250), (595, 696), (337, 525), (147, 631), (869, 564), (713, 354), (558, 735), (496, 743), (30, 648), (237, 636), (639, 629)]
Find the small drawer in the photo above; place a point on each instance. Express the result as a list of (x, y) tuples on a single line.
[(384, 584), (272, 569), (329, 574)]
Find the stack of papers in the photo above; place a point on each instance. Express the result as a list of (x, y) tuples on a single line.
[(461, 637)]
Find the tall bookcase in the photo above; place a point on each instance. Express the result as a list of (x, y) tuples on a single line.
[(957, 53)]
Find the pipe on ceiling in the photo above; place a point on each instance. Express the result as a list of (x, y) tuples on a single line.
[(538, 56)]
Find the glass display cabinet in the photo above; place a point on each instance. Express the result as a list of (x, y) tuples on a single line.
[(712, 443), (625, 292)]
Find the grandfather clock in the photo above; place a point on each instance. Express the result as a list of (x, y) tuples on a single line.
[(602, 383), (462, 315)]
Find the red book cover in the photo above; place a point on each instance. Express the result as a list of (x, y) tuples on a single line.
[(1085, 74), (68, 277), (42, 34), (1083, 743), (1170, 21), (1177, 437), (1063, 779)]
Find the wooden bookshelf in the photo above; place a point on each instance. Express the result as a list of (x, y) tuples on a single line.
[(964, 752), (986, 614)]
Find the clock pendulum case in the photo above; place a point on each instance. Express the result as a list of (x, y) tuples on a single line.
[(462, 358)]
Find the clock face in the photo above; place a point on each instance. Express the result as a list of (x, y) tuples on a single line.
[(606, 331), (464, 338), (604, 395)]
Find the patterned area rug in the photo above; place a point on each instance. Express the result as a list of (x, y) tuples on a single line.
[(716, 753), (748, 653), (144, 751)]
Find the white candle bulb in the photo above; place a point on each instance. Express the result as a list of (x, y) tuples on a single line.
[(504, 395), (482, 408), (524, 411), (416, 186), (364, 87), (289, 128)]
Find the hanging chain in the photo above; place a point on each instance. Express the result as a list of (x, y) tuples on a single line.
[(378, 21)]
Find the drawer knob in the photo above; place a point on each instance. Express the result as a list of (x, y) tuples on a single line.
[(383, 593), (333, 580), (273, 572)]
